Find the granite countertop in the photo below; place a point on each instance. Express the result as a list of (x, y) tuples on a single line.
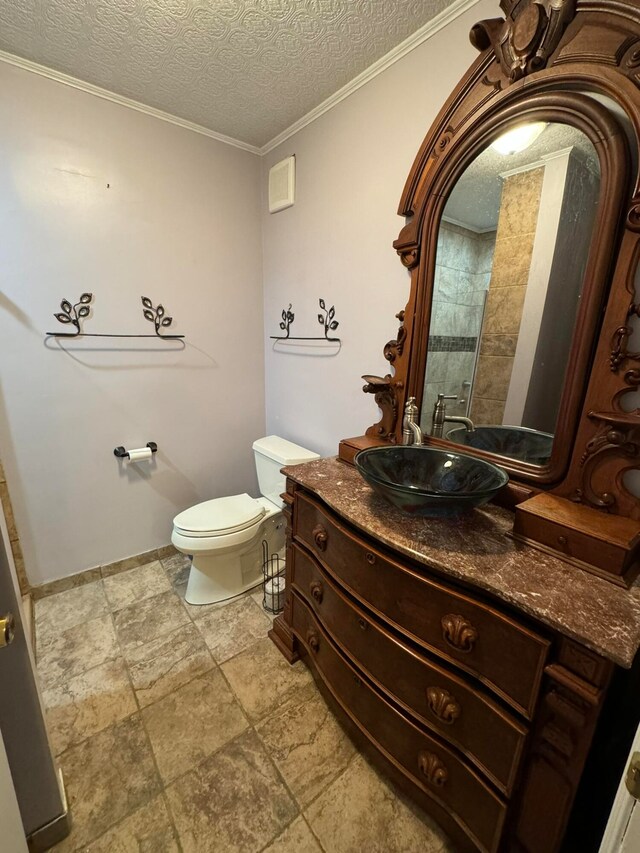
[(476, 548)]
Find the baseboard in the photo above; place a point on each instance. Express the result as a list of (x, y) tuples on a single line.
[(98, 572), (29, 623)]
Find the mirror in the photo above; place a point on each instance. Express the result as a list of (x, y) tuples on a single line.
[(511, 254)]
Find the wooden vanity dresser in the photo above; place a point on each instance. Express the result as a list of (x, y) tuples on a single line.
[(481, 712)]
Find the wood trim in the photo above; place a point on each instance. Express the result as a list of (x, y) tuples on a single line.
[(565, 725)]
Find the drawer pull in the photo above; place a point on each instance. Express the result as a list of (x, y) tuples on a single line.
[(317, 593), (458, 632), (432, 769), (370, 558), (320, 536), (443, 705), (363, 624), (313, 640)]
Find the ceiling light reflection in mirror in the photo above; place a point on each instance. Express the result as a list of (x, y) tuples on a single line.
[(518, 138)]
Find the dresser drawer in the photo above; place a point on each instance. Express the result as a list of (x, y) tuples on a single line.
[(433, 768), (504, 655), (489, 737)]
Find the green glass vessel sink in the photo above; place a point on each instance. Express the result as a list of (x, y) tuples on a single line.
[(429, 481)]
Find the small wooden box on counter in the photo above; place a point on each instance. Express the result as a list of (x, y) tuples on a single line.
[(606, 545)]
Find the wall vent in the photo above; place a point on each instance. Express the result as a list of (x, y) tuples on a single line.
[(282, 184)]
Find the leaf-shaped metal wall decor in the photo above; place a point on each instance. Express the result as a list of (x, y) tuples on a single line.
[(327, 320), (72, 314), (287, 319), (157, 317)]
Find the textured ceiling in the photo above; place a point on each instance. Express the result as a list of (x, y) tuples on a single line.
[(244, 68)]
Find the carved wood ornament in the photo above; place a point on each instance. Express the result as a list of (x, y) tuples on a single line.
[(544, 61), (524, 41), (443, 705), (458, 632), (433, 770)]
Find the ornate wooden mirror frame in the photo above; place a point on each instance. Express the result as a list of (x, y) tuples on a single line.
[(543, 62)]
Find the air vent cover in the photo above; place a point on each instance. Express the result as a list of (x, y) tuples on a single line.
[(282, 184)]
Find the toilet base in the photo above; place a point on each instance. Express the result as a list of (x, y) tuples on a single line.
[(210, 587), (218, 575)]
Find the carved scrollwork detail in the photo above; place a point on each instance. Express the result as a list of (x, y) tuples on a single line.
[(633, 59), (617, 435), (409, 256), (317, 592), (320, 536), (443, 142), (633, 214), (432, 768), (619, 352), (630, 62), (531, 32), (395, 348), (492, 81), (458, 632), (632, 377), (384, 388), (443, 705)]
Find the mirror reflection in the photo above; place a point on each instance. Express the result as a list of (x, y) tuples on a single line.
[(512, 249)]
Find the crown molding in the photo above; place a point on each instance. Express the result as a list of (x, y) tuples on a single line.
[(106, 95), (457, 8), (473, 228)]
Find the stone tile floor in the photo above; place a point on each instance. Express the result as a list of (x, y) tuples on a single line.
[(182, 728)]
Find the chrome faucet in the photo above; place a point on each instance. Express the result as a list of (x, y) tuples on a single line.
[(440, 416), (411, 432)]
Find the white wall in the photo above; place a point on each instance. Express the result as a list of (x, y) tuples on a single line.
[(335, 242), (179, 223)]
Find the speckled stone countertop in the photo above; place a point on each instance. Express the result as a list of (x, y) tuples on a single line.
[(475, 548)]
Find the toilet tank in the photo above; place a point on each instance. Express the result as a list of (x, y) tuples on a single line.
[(271, 454)]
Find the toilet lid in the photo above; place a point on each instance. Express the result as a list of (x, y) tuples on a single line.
[(219, 516)]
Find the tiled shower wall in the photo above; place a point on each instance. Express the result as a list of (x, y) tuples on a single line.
[(463, 270)]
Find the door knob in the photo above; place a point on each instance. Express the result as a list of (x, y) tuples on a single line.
[(632, 779), (7, 629)]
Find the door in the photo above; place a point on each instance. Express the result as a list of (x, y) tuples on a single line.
[(33, 771), (622, 834), (11, 829)]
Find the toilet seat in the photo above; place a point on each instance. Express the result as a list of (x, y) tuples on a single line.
[(219, 517)]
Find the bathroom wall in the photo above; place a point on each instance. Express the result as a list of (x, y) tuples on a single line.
[(336, 241), (462, 273), (96, 197)]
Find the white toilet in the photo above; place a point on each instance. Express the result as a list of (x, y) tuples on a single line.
[(224, 536)]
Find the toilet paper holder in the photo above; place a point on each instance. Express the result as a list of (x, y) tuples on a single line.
[(121, 453)]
